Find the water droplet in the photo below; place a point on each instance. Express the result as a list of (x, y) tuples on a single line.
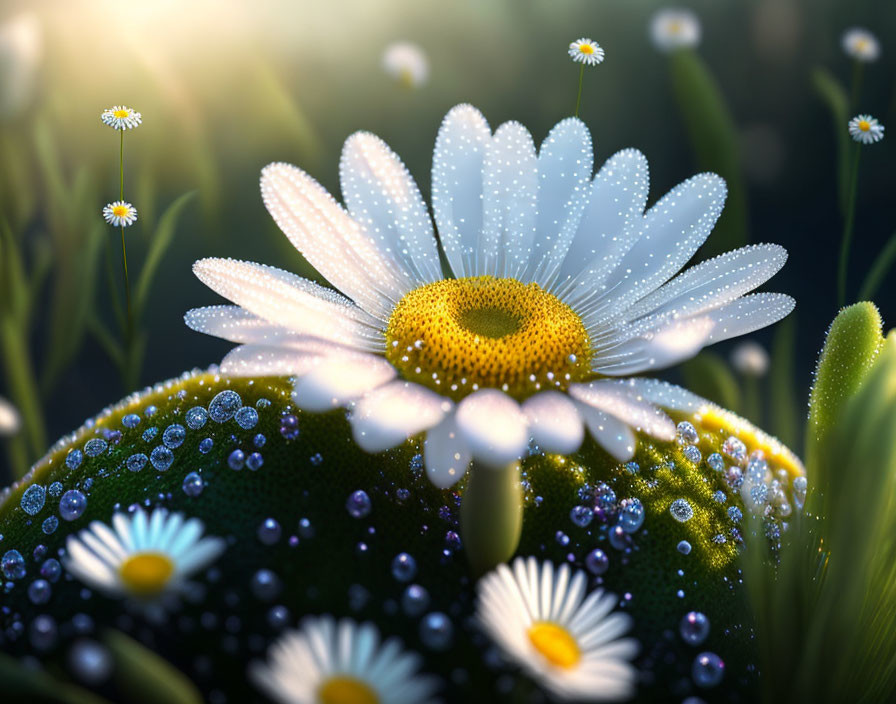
[(224, 406), (404, 567), (289, 426), (55, 489), (196, 418), (51, 570), (694, 628), (72, 505), (205, 446), (150, 434), (73, 459), (131, 420), (735, 514), (716, 462), (619, 539), (137, 461), (684, 547), (50, 525), (735, 449), (259, 441), (687, 433), (254, 461), (692, 454), (33, 499), (436, 631), (43, 632), (631, 515), (13, 565), (358, 504), (581, 516), (174, 435), (269, 531), (597, 562), (90, 662), (193, 484), (266, 585), (414, 600), (708, 670), (39, 591), (681, 510), (236, 460), (279, 617), (316, 459), (306, 530), (95, 447), (247, 417), (161, 458)]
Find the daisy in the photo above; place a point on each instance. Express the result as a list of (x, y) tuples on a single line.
[(330, 662), (860, 44), (674, 29), (121, 117), (750, 359), (866, 129), (10, 420), (586, 51), (120, 213), (563, 282), (144, 556), (407, 63), (542, 621)]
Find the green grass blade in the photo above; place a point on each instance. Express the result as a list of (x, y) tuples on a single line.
[(709, 376), (25, 684), (714, 139), (835, 99), (879, 270), (784, 410)]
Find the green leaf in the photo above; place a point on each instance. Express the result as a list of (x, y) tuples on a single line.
[(714, 139), (26, 684), (144, 676), (708, 376), (161, 240), (834, 97), (853, 343), (784, 410), (879, 270)]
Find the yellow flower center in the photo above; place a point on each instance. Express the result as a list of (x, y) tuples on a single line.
[(586, 48), (674, 27), (459, 335), (555, 644), (861, 44), (346, 690), (864, 125), (146, 573), (120, 211), (121, 113)]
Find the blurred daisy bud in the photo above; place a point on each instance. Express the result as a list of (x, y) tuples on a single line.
[(21, 48), (406, 63), (750, 359), (10, 420), (860, 44), (673, 28)]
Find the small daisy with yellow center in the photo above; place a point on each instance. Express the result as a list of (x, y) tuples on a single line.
[(586, 51), (750, 359), (142, 556), (673, 28), (330, 662), (569, 643), (121, 118), (860, 44), (866, 129), (406, 63), (120, 213)]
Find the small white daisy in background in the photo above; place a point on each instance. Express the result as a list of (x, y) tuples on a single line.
[(10, 420), (541, 619), (586, 51), (861, 45), (406, 62), (144, 556), (674, 28), (866, 129), (750, 359), (120, 213), (330, 662), (121, 117)]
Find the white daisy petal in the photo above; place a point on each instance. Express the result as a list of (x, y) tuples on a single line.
[(554, 422), (338, 380), (609, 432), (625, 405), (389, 415), (237, 325), (291, 301), (494, 427), (510, 198), (445, 454), (664, 394), (331, 241), (747, 314), (658, 348), (565, 163), (269, 360), (457, 186), (383, 198)]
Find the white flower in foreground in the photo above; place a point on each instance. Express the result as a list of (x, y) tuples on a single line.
[(586, 51), (330, 662), (750, 359), (21, 51), (406, 62), (866, 129), (120, 213), (564, 282), (10, 420), (572, 645), (674, 28), (144, 556), (121, 117), (860, 44)]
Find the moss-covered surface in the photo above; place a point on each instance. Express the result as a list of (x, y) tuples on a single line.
[(331, 562)]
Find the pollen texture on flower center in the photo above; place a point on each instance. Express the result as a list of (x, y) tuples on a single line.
[(346, 690), (459, 335), (146, 574)]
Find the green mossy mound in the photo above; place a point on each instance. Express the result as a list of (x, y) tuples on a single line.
[(329, 561)]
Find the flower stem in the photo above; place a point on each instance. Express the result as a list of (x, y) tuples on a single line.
[(579, 96), (856, 87), (848, 225), (491, 515), (129, 331)]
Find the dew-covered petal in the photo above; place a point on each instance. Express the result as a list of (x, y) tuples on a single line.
[(659, 348), (446, 455), (494, 427), (236, 325), (457, 186), (383, 198), (392, 413), (510, 194), (615, 436), (663, 394), (748, 313), (337, 380), (625, 405), (554, 422)]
